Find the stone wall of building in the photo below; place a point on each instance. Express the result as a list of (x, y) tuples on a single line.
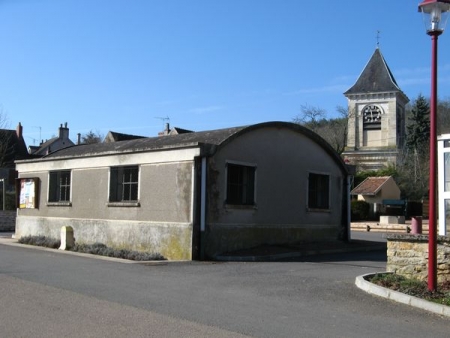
[(407, 255), (8, 220)]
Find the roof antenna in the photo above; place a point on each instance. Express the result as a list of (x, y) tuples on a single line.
[(378, 39), (40, 132), (166, 121)]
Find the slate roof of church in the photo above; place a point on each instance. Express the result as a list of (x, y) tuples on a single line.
[(376, 77)]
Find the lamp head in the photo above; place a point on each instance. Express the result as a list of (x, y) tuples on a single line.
[(435, 15)]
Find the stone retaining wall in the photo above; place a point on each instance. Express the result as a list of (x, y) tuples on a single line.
[(407, 255), (8, 220)]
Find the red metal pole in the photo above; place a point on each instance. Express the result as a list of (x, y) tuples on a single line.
[(432, 234)]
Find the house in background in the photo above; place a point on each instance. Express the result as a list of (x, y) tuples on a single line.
[(191, 195), (12, 148), (113, 136), (54, 144), (375, 190), (173, 131)]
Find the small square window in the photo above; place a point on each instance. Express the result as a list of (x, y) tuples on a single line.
[(59, 186), (318, 191), (240, 184), (124, 183)]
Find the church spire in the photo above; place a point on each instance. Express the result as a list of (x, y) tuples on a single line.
[(376, 77)]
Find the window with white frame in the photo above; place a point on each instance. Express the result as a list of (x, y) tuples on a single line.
[(59, 186), (240, 184), (318, 191), (124, 184)]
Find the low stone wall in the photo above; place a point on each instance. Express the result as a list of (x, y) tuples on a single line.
[(7, 220), (407, 255), (172, 240)]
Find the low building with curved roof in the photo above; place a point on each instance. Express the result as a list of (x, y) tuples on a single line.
[(192, 195)]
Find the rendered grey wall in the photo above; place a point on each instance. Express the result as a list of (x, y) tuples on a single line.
[(162, 222), (284, 159), (164, 194)]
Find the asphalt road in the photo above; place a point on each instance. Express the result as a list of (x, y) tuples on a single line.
[(50, 294)]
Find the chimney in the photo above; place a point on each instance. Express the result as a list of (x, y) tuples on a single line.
[(166, 131), (63, 131), (19, 131), (79, 138)]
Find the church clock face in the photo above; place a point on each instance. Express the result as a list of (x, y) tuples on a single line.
[(371, 114)]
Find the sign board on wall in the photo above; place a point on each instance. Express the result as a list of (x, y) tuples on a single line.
[(28, 193)]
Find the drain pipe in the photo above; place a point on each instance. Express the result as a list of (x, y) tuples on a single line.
[(349, 213), (4, 194), (203, 209)]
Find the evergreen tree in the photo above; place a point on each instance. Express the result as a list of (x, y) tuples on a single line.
[(418, 129), (414, 160)]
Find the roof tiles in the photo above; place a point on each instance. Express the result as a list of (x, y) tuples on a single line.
[(370, 186)]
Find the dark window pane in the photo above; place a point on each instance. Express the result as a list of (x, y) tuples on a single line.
[(240, 185), (59, 186), (114, 191), (124, 184), (53, 187), (318, 191)]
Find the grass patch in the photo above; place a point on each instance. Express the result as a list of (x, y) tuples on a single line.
[(95, 249), (413, 287)]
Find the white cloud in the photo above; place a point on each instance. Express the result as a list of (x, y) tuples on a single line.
[(420, 76), (339, 88)]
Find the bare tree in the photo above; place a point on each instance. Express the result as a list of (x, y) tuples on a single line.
[(333, 130), (339, 131), (310, 117), (92, 137)]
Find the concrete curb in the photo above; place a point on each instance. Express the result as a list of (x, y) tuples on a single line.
[(399, 297)]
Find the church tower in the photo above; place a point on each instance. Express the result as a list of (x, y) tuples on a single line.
[(376, 124)]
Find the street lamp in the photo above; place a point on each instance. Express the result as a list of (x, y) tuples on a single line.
[(435, 13)]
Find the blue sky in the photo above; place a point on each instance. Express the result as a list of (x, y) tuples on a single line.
[(126, 65)]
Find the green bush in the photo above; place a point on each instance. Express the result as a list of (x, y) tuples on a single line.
[(360, 210)]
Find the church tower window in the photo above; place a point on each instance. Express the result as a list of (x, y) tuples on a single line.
[(371, 126), (372, 117)]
